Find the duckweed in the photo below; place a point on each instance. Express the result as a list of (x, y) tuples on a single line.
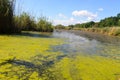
[(30, 58)]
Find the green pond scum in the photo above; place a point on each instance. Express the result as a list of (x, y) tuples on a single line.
[(25, 57)]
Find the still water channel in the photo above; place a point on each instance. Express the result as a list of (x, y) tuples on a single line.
[(88, 44)]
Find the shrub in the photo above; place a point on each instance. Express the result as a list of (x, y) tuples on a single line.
[(44, 25)]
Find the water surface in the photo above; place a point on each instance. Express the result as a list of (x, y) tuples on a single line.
[(85, 43)]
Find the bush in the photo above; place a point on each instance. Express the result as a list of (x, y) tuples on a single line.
[(44, 25), (25, 22)]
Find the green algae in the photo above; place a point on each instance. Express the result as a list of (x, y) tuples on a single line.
[(30, 58)]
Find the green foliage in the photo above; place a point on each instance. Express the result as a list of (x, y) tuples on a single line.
[(59, 26), (25, 22), (44, 25), (89, 24), (118, 15), (85, 25), (6, 16), (109, 22), (11, 24), (119, 22), (70, 26)]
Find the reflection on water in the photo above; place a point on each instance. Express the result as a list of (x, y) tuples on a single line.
[(36, 34), (79, 44)]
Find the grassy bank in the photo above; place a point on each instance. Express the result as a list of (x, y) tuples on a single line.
[(114, 31)]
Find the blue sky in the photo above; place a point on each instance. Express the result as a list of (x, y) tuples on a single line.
[(68, 12)]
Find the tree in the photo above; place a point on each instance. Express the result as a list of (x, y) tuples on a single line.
[(6, 16), (118, 15), (71, 26), (44, 25), (59, 26), (109, 22)]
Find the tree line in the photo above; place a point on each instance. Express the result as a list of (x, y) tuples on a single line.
[(113, 21), (10, 23)]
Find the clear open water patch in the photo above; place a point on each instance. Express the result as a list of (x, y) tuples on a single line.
[(79, 44)]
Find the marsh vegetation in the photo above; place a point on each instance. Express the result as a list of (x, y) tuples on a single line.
[(11, 23)]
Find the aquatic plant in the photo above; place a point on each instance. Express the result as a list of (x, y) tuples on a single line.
[(30, 57)]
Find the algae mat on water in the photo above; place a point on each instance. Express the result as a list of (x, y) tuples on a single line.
[(25, 57), (30, 58)]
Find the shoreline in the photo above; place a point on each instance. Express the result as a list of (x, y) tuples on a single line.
[(94, 35), (109, 31)]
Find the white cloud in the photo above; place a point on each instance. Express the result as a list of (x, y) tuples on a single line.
[(72, 19), (84, 13), (81, 16), (61, 15), (90, 18), (100, 9), (66, 21)]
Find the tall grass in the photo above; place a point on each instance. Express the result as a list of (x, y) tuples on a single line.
[(115, 31), (10, 23), (26, 22)]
